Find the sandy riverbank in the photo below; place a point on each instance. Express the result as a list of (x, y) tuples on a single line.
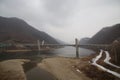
[(12, 69), (63, 68), (60, 67)]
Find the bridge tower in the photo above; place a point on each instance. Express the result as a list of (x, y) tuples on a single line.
[(43, 42), (38, 43), (77, 47)]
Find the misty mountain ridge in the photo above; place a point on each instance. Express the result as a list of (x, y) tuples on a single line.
[(84, 40), (17, 30), (106, 35)]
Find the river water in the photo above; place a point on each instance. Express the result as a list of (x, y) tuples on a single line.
[(71, 52), (64, 52)]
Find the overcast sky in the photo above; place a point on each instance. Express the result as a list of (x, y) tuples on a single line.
[(64, 19)]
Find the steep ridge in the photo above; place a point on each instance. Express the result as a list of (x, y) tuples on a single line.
[(17, 30), (106, 36)]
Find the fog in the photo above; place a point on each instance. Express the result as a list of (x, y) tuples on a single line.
[(64, 19)]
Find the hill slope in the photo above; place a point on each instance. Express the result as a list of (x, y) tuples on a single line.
[(84, 40), (106, 35), (17, 30)]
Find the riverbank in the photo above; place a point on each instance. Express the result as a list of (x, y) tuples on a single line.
[(35, 66), (60, 67), (86, 66), (63, 68), (26, 50), (12, 69)]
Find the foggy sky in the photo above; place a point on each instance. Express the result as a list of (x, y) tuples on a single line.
[(64, 19)]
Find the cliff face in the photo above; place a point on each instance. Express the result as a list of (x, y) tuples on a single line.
[(106, 35), (17, 30)]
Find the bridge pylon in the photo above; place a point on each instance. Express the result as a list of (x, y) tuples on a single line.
[(77, 47), (38, 43)]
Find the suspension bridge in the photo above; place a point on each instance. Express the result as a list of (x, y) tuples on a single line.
[(76, 45)]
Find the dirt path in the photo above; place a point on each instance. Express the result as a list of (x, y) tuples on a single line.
[(12, 70), (62, 68)]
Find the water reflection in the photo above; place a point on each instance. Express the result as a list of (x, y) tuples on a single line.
[(65, 52), (71, 52)]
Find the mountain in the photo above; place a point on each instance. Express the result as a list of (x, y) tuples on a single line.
[(61, 42), (106, 36), (84, 40), (17, 30)]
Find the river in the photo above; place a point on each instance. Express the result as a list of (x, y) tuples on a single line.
[(71, 52), (64, 52)]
